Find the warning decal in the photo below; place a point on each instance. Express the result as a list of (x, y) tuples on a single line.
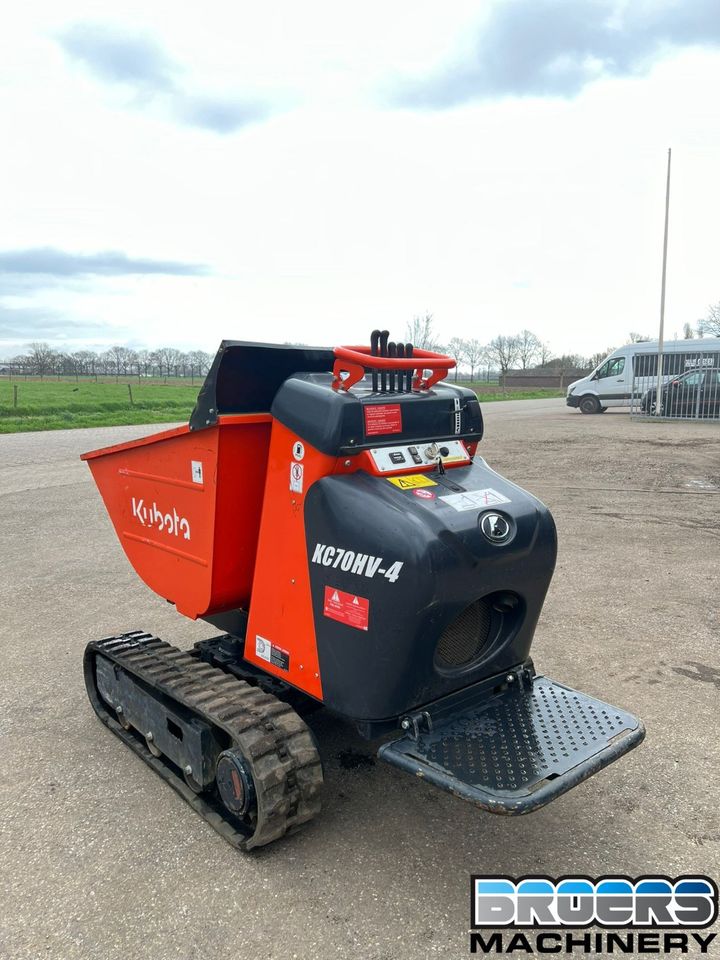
[(383, 418), (275, 655), (475, 499), (412, 481), (296, 477), (346, 608)]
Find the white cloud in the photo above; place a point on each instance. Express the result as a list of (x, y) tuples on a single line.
[(556, 48)]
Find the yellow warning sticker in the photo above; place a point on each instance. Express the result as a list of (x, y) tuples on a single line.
[(411, 482)]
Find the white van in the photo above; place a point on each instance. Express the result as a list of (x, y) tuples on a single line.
[(631, 370)]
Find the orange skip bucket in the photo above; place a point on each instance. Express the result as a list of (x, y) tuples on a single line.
[(186, 508)]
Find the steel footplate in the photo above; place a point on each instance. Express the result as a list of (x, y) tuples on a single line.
[(515, 751), (181, 716)]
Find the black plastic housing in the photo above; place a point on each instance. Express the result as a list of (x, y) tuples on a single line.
[(333, 421), (448, 563), (244, 377)]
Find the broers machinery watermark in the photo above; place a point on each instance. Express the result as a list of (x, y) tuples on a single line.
[(647, 915)]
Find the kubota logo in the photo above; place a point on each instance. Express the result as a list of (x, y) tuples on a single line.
[(152, 516)]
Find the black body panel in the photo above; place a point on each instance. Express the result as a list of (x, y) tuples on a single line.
[(333, 421), (244, 377), (447, 563)]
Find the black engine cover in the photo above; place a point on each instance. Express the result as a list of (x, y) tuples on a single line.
[(426, 563)]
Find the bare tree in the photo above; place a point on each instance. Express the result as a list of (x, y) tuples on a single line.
[(420, 332), (167, 358), (67, 363), (22, 363), (474, 353), (84, 361), (638, 337), (711, 323), (41, 358), (573, 361), (597, 358), (456, 349), (142, 362), (119, 359), (503, 352), (545, 354), (688, 332), (528, 348), (199, 361)]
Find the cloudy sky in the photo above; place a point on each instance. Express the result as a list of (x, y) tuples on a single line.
[(180, 173)]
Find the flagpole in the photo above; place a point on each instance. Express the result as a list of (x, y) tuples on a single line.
[(661, 335)]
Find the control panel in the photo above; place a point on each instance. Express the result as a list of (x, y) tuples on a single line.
[(392, 459)]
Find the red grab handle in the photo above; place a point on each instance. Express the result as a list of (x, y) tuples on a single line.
[(354, 361)]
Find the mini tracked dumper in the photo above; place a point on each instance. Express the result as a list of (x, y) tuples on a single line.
[(326, 510)]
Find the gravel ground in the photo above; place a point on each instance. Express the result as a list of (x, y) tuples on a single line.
[(101, 860)]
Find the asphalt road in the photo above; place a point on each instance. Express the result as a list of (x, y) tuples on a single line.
[(524, 409), (101, 860)]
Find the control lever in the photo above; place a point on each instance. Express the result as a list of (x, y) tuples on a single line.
[(374, 337), (384, 334)]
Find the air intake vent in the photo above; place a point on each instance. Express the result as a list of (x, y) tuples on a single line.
[(463, 641)]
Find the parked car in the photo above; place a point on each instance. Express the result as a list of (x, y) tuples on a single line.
[(694, 394)]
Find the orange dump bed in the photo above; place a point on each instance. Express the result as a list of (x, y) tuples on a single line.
[(186, 507)]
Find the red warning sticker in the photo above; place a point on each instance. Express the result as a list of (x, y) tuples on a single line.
[(383, 418), (347, 608)]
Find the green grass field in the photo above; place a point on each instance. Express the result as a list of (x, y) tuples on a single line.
[(58, 405), (490, 394)]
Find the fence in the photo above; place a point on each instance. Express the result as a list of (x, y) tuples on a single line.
[(690, 386), (556, 378), (106, 373)]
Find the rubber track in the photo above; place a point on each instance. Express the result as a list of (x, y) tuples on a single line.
[(275, 741)]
